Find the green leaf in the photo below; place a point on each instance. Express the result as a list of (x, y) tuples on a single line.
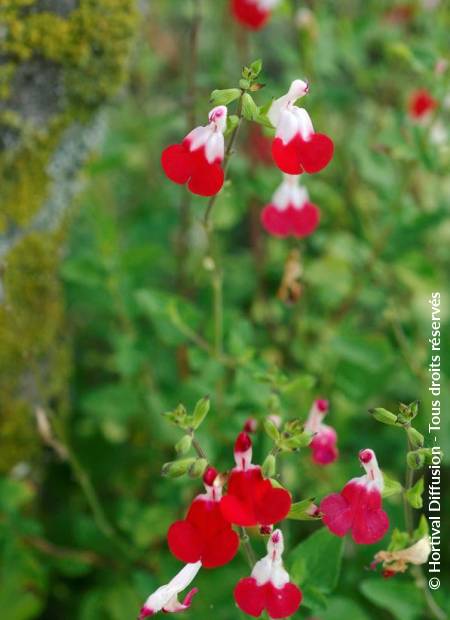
[(226, 96), (342, 608), (414, 494), (401, 599), (256, 67), (316, 564)]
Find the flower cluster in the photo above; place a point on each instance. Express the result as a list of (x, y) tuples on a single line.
[(295, 149), (246, 496)]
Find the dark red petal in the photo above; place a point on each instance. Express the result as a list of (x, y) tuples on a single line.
[(250, 597), (369, 526), (248, 14), (206, 180), (272, 505), (236, 511), (282, 602), (316, 153), (276, 222), (184, 542), (421, 103), (177, 163), (305, 220), (337, 514), (221, 549), (287, 156)]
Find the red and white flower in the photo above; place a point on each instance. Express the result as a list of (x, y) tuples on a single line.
[(421, 104), (197, 160), (251, 499), (323, 444), (253, 14), (165, 598), (296, 147), (290, 212), (358, 507), (204, 535), (269, 587)]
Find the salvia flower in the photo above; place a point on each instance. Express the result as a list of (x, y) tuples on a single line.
[(398, 561), (290, 212), (296, 147), (357, 509), (251, 499), (269, 587), (253, 14), (204, 535), (197, 160), (165, 598), (421, 104), (323, 444)]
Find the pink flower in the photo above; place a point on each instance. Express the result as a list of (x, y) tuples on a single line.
[(269, 587), (250, 425), (323, 444), (197, 160), (165, 598), (290, 212), (251, 499), (296, 147), (253, 14), (204, 535), (421, 104), (358, 507)]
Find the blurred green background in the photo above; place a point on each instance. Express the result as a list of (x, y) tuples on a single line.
[(83, 537)]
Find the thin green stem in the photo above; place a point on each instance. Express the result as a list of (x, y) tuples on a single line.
[(247, 548)]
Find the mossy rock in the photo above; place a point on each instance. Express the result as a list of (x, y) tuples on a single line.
[(61, 61)]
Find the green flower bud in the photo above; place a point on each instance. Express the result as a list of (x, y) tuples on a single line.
[(244, 84), (250, 110), (269, 466), (197, 469), (256, 67), (183, 445), (415, 459), (200, 412), (416, 439), (271, 429), (384, 416), (414, 495), (226, 96), (175, 469)]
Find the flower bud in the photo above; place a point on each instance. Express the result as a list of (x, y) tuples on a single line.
[(200, 412), (175, 469), (384, 416), (183, 445), (225, 96), (244, 84), (271, 429), (414, 495), (197, 469), (249, 108), (269, 466), (415, 459), (415, 438)]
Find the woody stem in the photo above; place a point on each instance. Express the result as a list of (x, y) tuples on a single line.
[(421, 582)]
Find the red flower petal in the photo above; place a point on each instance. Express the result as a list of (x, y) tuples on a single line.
[(177, 163), (271, 505), (206, 180), (276, 222), (316, 153), (184, 542), (236, 511), (287, 156), (221, 549), (249, 14), (282, 602), (421, 103), (305, 220), (338, 516), (250, 597), (369, 526)]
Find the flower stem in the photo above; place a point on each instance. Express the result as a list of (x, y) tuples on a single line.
[(417, 571), (247, 548)]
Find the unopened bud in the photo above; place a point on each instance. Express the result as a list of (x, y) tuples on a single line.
[(384, 416), (183, 445), (175, 469), (271, 429), (250, 425), (415, 459), (200, 412), (269, 466), (197, 469), (250, 110), (416, 439)]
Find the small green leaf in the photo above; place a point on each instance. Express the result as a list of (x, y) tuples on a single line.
[(225, 96), (401, 599), (414, 495), (256, 67), (390, 486)]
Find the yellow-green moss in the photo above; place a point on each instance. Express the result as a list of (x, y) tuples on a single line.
[(89, 47)]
